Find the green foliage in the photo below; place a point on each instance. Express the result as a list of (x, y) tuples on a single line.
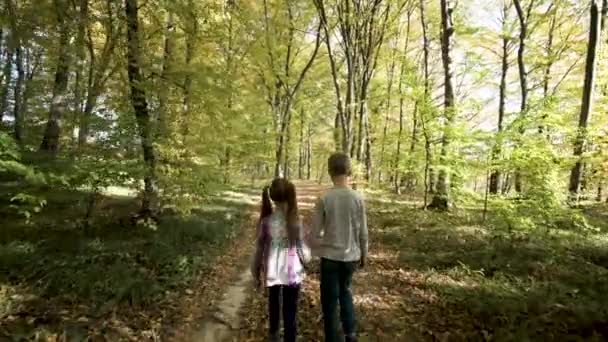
[(530, 285), (11, 166), (111, 264)]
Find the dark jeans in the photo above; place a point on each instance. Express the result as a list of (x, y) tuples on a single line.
[(290, 309), (336, 281)]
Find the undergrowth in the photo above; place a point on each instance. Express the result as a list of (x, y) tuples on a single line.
[(538, 283), (54, 260)]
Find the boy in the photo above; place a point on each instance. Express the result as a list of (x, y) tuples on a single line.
[(340, 229)]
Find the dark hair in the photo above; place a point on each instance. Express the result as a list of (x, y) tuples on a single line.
[(282, 191), (338, 164)]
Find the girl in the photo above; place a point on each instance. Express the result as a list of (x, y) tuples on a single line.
[(280, 255)]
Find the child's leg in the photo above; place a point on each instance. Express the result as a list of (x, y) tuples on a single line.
[(330, 291), (274, 295), (290, 310), (347, 308)]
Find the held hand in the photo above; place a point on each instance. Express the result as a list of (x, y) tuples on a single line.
[(258, 284), (310, 239), (362, 262)]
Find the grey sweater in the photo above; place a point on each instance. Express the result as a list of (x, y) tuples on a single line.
[(340, 225)]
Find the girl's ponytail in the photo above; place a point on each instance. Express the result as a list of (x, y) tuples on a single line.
[(266, 209), (293, 225)]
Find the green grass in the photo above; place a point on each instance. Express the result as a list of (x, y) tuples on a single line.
[(54, 262), (529, 286)]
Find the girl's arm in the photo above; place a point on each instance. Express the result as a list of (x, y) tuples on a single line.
[(256, 262), (315, 233)]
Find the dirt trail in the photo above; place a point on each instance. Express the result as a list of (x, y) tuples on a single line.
[(226, 320)]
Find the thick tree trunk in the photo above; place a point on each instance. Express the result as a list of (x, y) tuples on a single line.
[(140, 105), (495, 177), (52, 132), (441, 198), (587, 102)]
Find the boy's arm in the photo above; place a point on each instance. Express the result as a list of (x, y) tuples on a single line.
[(363, 233)]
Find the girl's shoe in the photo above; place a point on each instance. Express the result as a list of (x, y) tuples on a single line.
[(274, 337), (350, 338)]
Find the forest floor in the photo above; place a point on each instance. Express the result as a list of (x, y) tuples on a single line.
[(431, 276)]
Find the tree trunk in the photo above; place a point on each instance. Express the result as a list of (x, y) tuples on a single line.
[(587, 101), (14, 48), (186, 103), (140, 105), (7, 72), (80, 62), (287, 148), (391, 76), (98, 73), (163, 119), (397, 172), (301, 149), (440, 200), (361, 29), (410, 176), (495, 177), (337, 133), (309, 151), (32, 64), (18, 98), (523, 72), (226, 160), (279, 170), (368, 150), (92, 93), (285, 92), (429, 172), (428, 177), (50, 141)]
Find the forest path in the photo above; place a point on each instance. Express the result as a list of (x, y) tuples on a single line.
[(233, 286)]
